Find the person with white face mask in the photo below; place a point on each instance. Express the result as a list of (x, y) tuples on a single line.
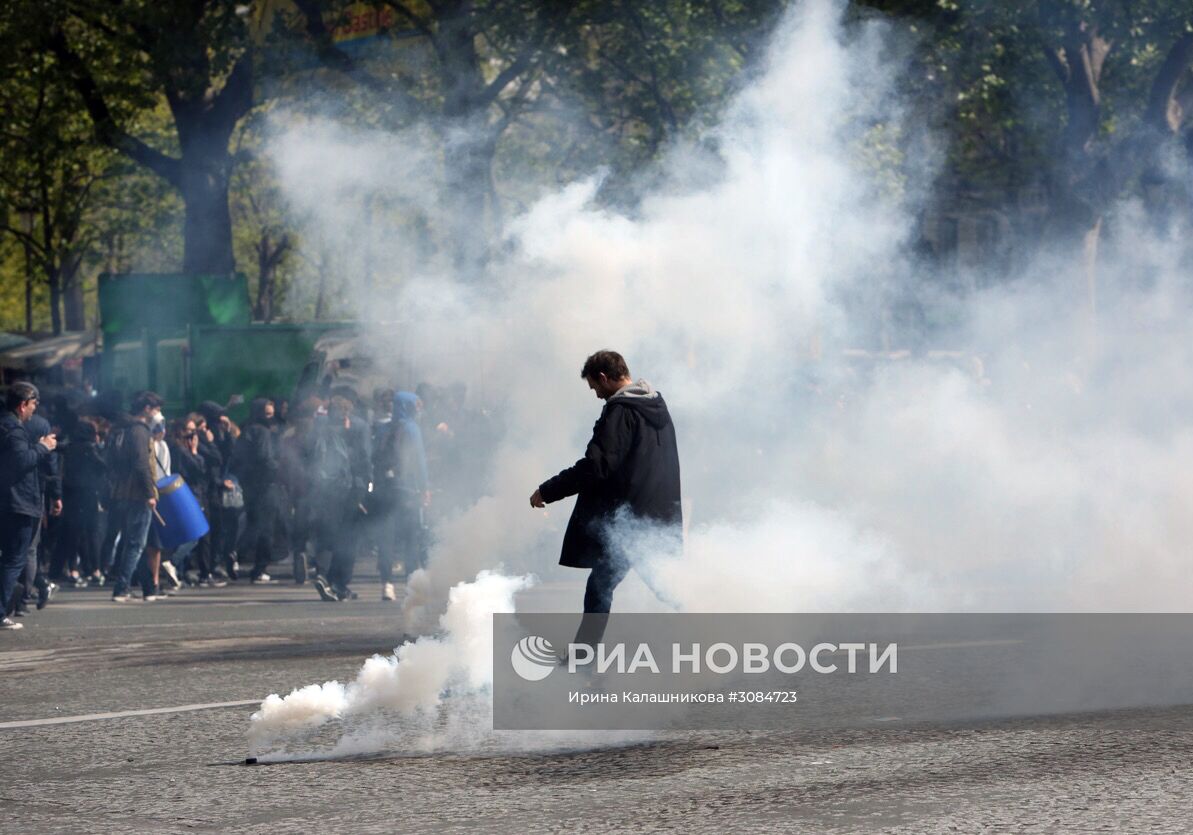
[(134, 487)]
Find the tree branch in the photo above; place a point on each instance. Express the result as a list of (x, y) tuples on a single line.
[(106, 129), (236, 97), (1164, 111)]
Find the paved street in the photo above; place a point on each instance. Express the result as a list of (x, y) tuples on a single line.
[(183, 770)]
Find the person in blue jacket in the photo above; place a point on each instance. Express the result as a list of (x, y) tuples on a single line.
[(403, 490)]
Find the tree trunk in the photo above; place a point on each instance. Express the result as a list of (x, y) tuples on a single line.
[(55, 303), (207, 229), (73, 307), (28, 291), (269, 256), (468, 173)]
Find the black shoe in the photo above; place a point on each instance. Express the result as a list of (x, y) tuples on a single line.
[(45, 593), (346, 594), (325, 591)]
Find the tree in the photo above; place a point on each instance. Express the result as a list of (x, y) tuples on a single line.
[(49, 171), (121, 56), (485, 60)]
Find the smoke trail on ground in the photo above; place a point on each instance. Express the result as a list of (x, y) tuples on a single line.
[(413, 680)]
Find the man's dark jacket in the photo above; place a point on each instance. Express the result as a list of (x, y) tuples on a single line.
[(20, 463), (254, 459), (131, 463), (632, 462), (49, 472)]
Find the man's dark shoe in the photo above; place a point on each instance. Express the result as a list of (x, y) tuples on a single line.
[(346, 594), (325, 591), (45, 593)]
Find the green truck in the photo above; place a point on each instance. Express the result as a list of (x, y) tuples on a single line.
[(191, 338)]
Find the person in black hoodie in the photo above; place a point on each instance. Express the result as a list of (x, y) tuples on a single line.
[(191, 559), (84, 478), (630, 465), (217, 439), (255, 463)]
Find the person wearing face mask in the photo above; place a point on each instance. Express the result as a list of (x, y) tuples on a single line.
[(153, 566), (255, 463), (134, 474), (402, 487)]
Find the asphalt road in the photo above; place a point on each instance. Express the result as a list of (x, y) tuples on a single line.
[(183, 770)]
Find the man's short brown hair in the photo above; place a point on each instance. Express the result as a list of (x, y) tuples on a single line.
[(609, 363)]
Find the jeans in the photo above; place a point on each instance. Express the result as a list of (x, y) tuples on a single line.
[(131, 519), (16, 533), (598, 598), (400, 534)]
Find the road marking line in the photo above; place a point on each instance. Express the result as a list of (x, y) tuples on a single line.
[(120, 714)]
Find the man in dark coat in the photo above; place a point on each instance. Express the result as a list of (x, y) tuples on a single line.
[(133, 469), (21, 503), (631, 466), (254, 462)]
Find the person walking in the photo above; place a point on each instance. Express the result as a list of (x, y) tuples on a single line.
[(255, 464), (341, 470), (21, 503), (134, 487), (84, 474), (631, 465), (402, 490)]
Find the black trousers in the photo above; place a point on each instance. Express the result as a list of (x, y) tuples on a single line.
[(81, 535), (263, 511), (337, 528), (598, 598)]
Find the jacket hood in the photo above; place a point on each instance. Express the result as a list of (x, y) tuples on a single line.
[(212, 411), (257, 410), (642, 397), (405, 405), (38, 427), (125, 419)]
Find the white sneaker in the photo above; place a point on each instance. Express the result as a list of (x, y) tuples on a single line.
[(387, 592), (171, 572), (9, 623), (263, 579)]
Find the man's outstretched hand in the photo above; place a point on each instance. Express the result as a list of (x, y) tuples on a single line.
[(536, 499)]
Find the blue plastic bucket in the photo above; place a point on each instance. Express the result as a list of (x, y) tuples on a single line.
[(182, 519)]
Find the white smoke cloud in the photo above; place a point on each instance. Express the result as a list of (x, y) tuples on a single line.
[(413, 679), (1039, 463), (980, 481)]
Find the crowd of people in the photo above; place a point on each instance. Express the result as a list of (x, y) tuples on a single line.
[(315, 484)]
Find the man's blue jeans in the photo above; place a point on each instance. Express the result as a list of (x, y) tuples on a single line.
[(16, 532), (132, 520)]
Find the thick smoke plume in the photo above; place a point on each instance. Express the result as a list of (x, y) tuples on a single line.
[(414, 679), (1025, 453)]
